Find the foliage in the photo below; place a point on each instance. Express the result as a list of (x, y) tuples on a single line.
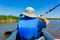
[(53, 18), (3, 17)]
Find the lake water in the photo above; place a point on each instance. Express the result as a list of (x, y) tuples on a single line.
[(53, 28)]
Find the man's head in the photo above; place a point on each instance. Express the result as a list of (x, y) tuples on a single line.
[(29, 11)]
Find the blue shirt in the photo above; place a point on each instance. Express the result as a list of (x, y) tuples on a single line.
[(30, 27)]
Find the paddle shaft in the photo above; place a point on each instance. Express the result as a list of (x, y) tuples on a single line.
[(50, 10)]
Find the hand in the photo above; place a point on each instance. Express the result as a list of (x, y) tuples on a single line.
[(43, 19), (39, 16)]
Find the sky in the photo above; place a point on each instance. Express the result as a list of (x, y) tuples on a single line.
[(17, 7)]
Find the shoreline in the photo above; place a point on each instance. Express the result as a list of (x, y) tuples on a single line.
[(8, 19), (11, 19)]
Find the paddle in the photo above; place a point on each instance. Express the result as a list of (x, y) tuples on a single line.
[(50, 10)]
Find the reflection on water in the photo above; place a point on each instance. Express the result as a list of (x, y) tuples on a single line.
[(53, 28), (7, 27)]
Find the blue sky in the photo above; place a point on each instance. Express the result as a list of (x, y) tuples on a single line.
[(16, 7)]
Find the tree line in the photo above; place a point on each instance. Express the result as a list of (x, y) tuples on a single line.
[(8, 19)]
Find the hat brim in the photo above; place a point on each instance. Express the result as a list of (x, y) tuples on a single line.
[(30, 15)]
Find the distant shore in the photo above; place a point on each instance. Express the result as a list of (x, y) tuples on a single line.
[(53, 18), (8, 19), (11, 19)]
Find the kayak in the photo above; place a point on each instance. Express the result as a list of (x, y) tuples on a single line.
[(47, 36)]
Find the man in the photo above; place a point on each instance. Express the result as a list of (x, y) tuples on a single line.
[(30, 25)]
